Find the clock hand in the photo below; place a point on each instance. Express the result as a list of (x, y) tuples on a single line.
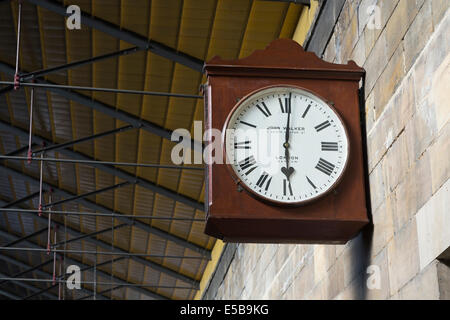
[(287, 170)]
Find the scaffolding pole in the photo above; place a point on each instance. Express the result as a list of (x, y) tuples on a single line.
[(106, 215), (110, 90), (145, 285), (99, 162), (114, 253)]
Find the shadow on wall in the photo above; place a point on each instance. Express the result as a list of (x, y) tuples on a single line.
[(360, 260)]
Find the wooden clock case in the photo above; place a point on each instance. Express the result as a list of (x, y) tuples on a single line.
[(234, 215)]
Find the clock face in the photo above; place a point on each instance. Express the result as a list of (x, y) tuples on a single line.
[(286, 145)]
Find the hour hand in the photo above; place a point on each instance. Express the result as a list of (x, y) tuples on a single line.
[(287, 171)]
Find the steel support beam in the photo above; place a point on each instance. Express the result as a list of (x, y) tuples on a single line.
[(23, 199), (108, 168), (23, 265), (81, 140), (126, 35), (29, 236), (107, 109), (96, 214), (9, 295), (82, 266), (100, 162), (28, 287), (97, 253), (6, 89), (97, 89), (40, 73), (128, 177), (141, 225), (103, 244), (28, 270), (20, 150), (102, 292), (88, 235), (84, 195)]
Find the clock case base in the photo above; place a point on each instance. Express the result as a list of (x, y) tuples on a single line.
[(234, 215)]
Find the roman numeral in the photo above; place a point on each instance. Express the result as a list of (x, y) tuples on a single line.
[(287, 185), (268, 183), (248, 124), (311, 183), (329, 146), (287, 104), (306, 111), (264, 110), (325, 166), (242, 145), (262, 179), (248, 163), (322, 126)]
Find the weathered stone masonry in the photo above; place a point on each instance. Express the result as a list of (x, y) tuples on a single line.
[(408, 135)]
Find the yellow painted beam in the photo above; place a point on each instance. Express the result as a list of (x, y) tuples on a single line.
[(210, 268), (305, 22)]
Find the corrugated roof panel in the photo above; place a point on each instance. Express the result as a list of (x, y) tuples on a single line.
[(264, 25), (201, 29), (7, 34)]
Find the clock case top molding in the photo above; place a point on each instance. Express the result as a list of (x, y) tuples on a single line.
[(234, 215)]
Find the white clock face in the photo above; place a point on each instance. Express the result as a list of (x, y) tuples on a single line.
[(286, 166)]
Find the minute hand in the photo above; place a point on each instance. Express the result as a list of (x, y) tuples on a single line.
[(286, 143), (287, 171)]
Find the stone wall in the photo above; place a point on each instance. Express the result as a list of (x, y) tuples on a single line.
[(406, 55)]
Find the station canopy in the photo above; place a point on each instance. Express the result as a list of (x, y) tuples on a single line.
[(135, 232)]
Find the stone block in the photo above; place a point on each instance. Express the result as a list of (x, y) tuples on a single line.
[(330, 51), (424, 129), (443, 273), (381, 265), (364, 13), (405, 205), (350, 39), (370, 112), (399, 22), (392, 121), (354, 259), (334, 281), (440, 93), (418, 35), (389, 81), (424, 286), (359, 52), (324, 258), (354, 291), (385, 9), (376, 62), (378, 191), (304, 281), (433, 221), (439, 8), (434, 54), (403, 257), (439, 155), (281, 255), (383, 229), (396, 163)]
